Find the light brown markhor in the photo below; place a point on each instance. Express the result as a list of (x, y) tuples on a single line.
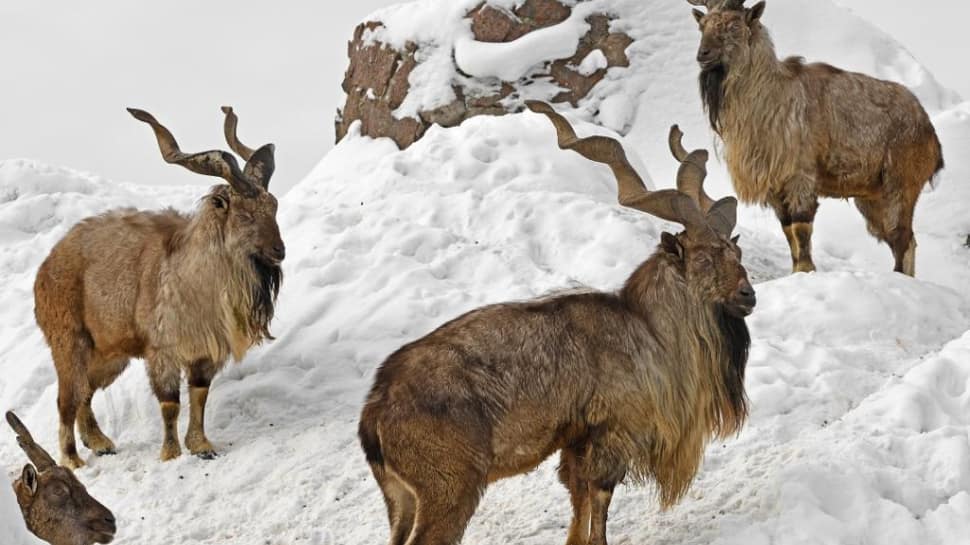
[(793, 132), (55, 505), (629, 385), (185, 292)]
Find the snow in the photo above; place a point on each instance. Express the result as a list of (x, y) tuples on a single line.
[(512, 60), (859, 378), (596, 60)]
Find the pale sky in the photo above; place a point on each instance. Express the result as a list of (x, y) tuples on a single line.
[(69, 69), (67, 72)]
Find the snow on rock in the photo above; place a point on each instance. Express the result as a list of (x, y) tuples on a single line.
[(419, 71), (592, 62), (512, 60)]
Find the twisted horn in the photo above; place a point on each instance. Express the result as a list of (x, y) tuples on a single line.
[(37, 455), (260, 163), (693, 169), (209, 163), (721, 215), (232, 120), (669, 204)]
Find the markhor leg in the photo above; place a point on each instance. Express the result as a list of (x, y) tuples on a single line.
[(802, 233), (71, 356), (571, 475), (101, 373), (401, 505), (796, 212), (600, 499), (165, 377), (903, 244), (91, 434), (67, 408), (200, 378)]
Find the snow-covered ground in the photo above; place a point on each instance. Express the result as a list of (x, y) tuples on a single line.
[(859, 378)]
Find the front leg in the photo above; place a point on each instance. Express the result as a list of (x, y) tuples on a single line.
[(201, 374), (571, 475), (601, 493), (166, 377), (796, 211), (603, 465)]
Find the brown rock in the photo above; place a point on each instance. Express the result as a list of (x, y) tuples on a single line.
[(543, 13), (614, 47), (398, 86), (377, 120), (491, 24), (577, 85), (449, 115), (376, 81)]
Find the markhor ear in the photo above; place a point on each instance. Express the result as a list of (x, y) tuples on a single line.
[(671, 245), (699, 15), (755, 13), (259, 168), (29, 478)]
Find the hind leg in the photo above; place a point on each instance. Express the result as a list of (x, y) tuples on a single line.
[(401, 505), (444, 463), (903, 244), (444, 509), (100, 375), (71, 355), (91, 434), (892, 223)]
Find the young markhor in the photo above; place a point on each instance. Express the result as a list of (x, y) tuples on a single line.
[(56, 506), (185, 292), (626, 385)]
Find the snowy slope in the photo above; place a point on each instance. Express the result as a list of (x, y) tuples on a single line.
[(859, 378)]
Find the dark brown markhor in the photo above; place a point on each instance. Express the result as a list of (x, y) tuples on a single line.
[(56, 506), (793, 132), (631, 384), (184, 292)]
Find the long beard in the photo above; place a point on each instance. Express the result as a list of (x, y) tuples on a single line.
[(737, 342), (712, 93), (264, 293)]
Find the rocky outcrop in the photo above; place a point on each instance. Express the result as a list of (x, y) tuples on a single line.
[(376, 81)]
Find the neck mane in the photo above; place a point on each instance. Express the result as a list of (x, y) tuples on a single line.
[(728, 87), (703, 395), (241, 289)]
